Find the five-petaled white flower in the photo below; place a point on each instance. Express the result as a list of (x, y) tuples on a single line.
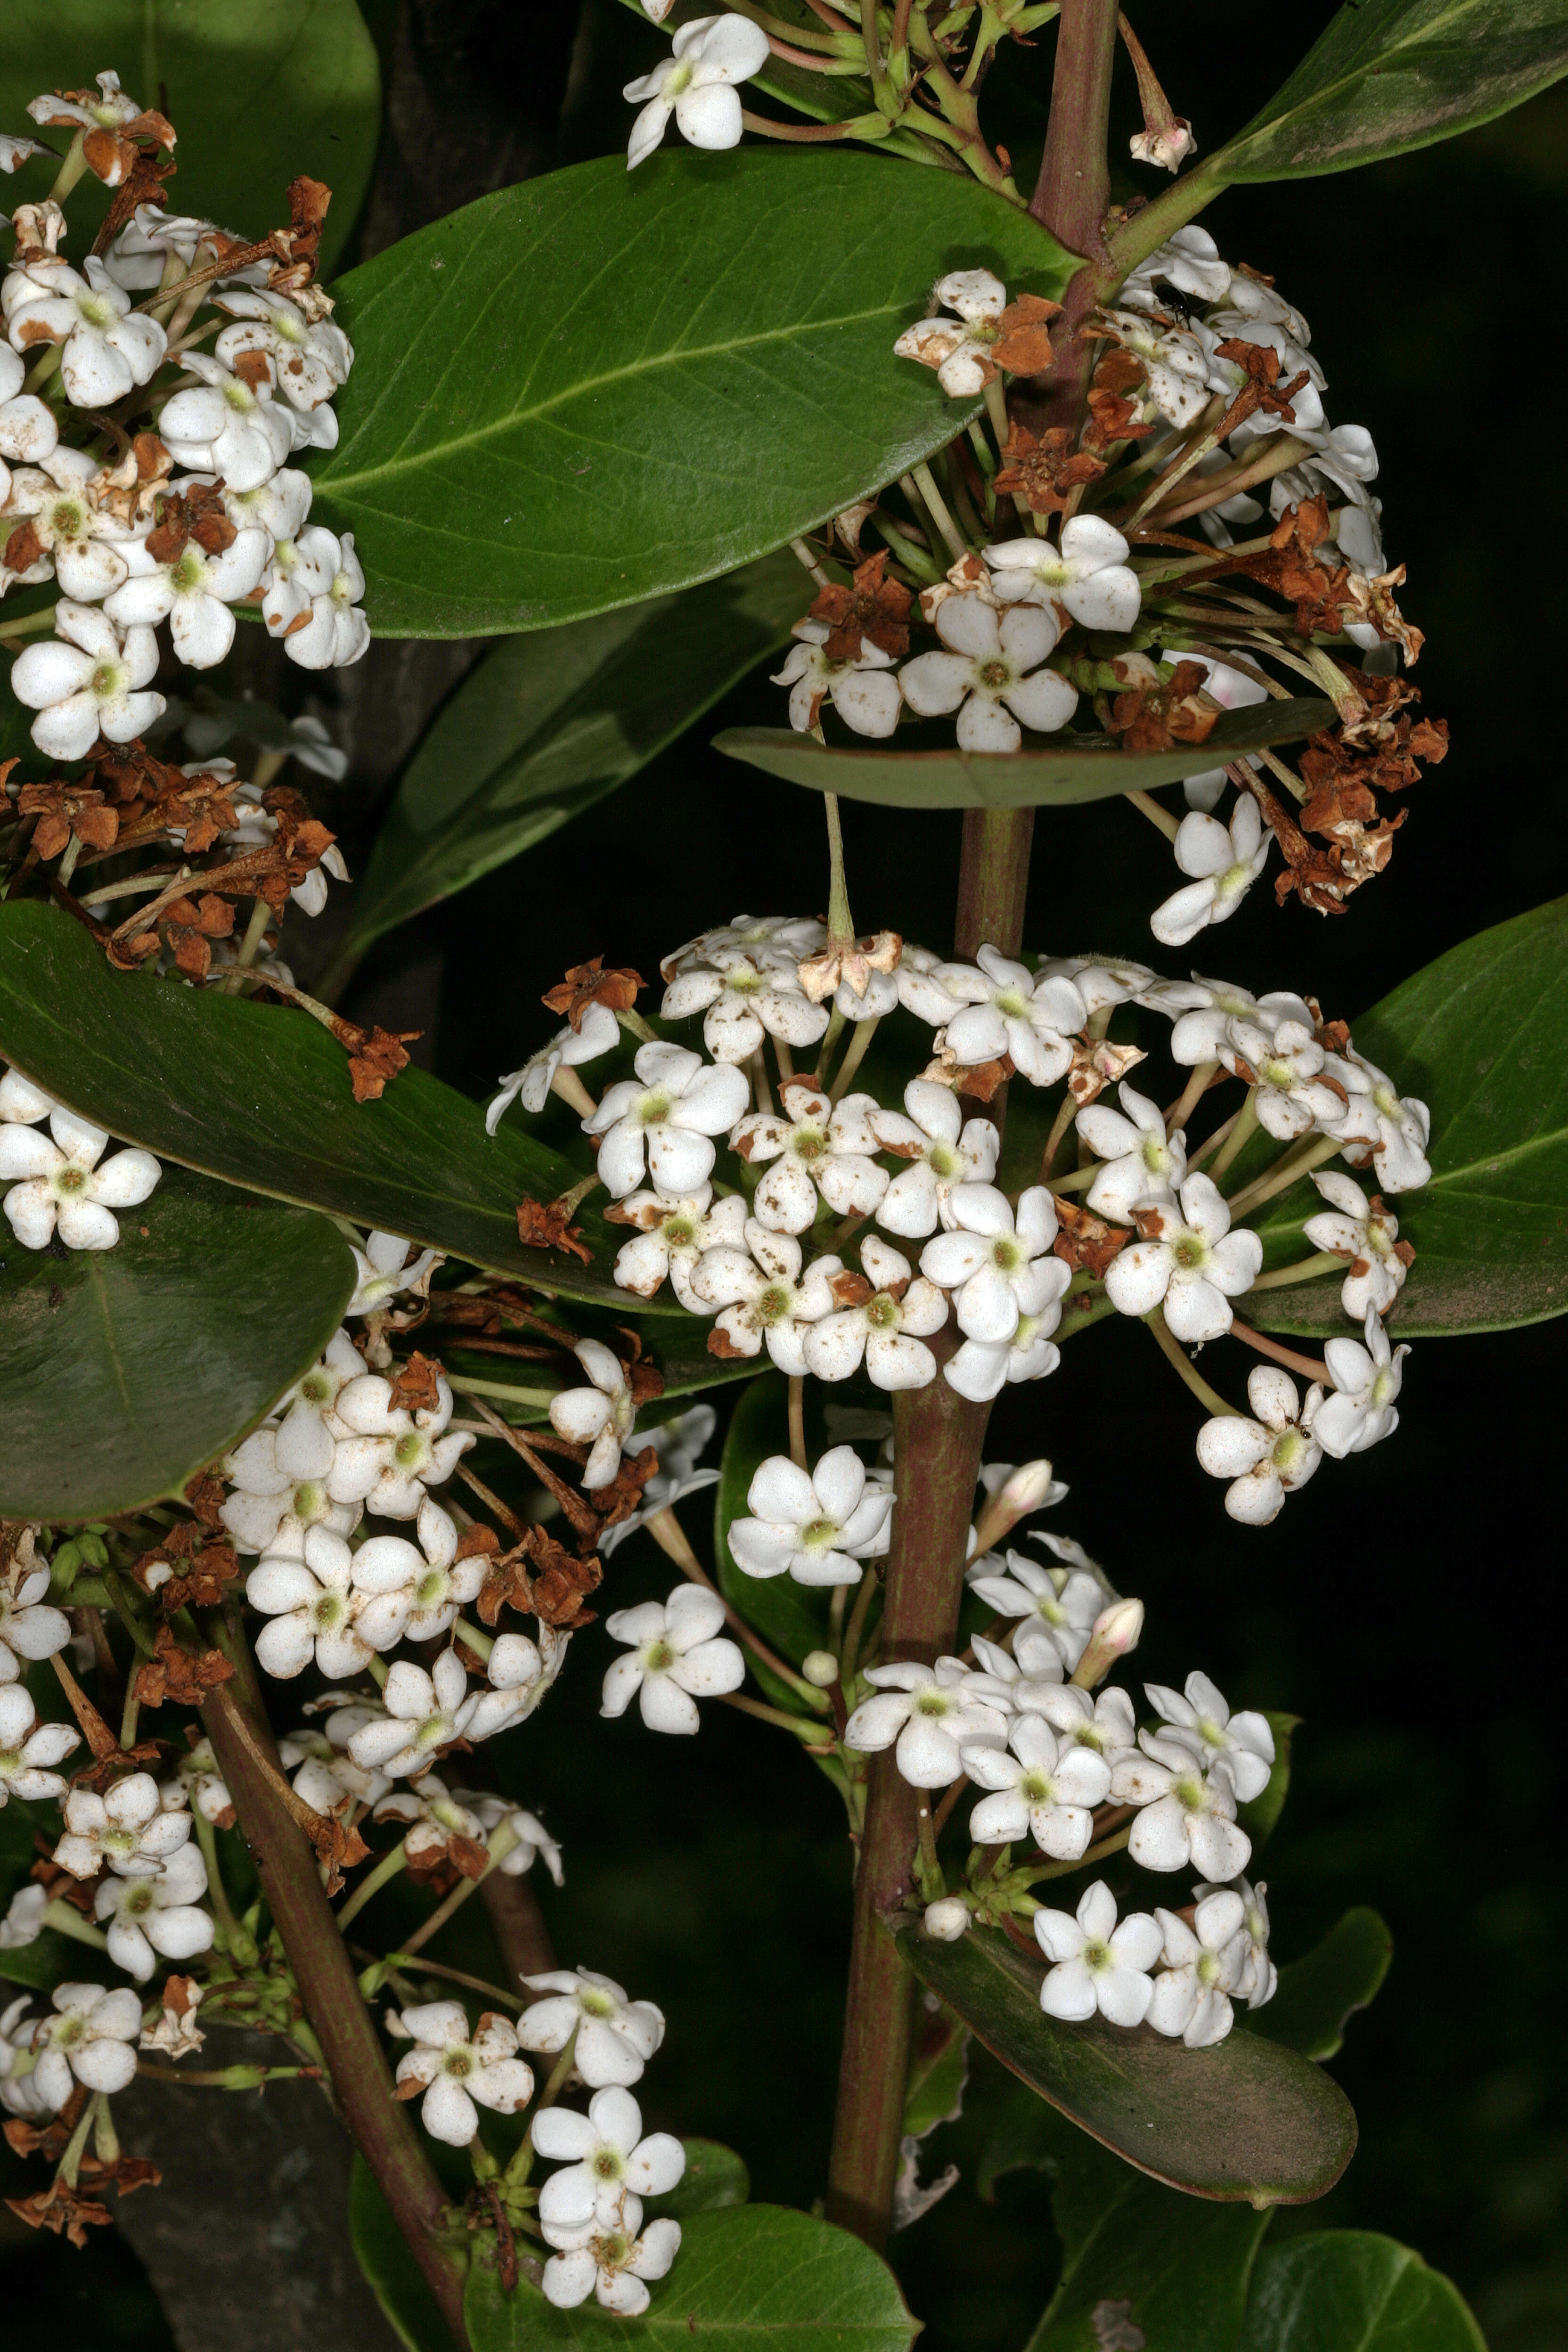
[(437, 1822), (157, 1918), (933, 1714), (421, 1720), (815, 1145), (533, 1841), (29, 1628), (126, 1828), (105, 350), (672, 1235), (311, 596), (414, 1593), (28, 1749), (1188, 1261), (1064, 1608), (1382, 1128), (91, 2038), (862, 690), (599, 1417), (1204, 1963), (1187, 1810), (676, 1657), (817, 1525), (454, 2068), (1366, 1381), (611, 2262), (1267, 1458), (998, 1264), (602, 2154), (616, 2037), (225, 426), (711, 55), (88, 681), (990, 675), (1088, 575), (64, 1187), (743, 1001), (1225, 861), (765, 1296), (884, 1318), (392, 1452), (1042, 1786), (667, 1116), (942, 1149), (69, 531), (1245, 1740), (1367, 1234), (304, 1588), (1141, 1164), (1098, 1964)]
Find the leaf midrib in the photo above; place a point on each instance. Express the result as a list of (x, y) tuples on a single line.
[(1377, 63)]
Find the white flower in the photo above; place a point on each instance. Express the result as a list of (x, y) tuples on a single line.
[(199, 1784), (224, 426), (309, 359), (612, 2262), (88, 681), (991, 676), (153, 1919), (568, 1049), (23, 1923), (1064, 1608), (136, 256), (18, 2090), (672, 1235), (1203, 1964), (1267, 1458), (30, 1629), (453, 2069), (765, 1296), (999, 1266), (325, 1775), (312, 599), (1088, 575), (602, 2154), (63, 1187), (1204, 1010), (1366, 1381), (1227, 377), (942, 1150), (674, 1659), (127, 1829), (886, 1328), (91, 2037), (393, 1451), (436, 1817), (533, 1841), (413, 1594), (1101, 982), (1366, 1234), (1141, 1164), (1382, 1127), (600, 1417), (74, 533), (616, 2037), (1188, 1261), (1244, 1740), (817, 1527), (947, 1920), (1026, 1676), (1188, 1813), (269, 1511), (520, 1675), (1174, 361), (1167, 147), (980, 1371), (815, 1145), (742, 1001), (1100, 1721), (1258, 1976), (711, 55), (1004, 1009), (386, 1268), (305, 1442), (29, 1749), (1189, 261), (192, 593), (110, 111), (1098, 1965), (779, 941), (669, 1112), (1296, 1082), (105, 353), (305, 1591), (933, 1714), (862, 690), (1227, 861), (421, 1718), (1042, 1787), (959, 348)]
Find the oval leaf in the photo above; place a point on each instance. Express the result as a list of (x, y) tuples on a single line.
[(1052, 770), (1319, 1993), (1246, 2119), (1336, 2288), (258, 95), (715, 2179), (755, 2275), (259, 1095), (1390, 75), (548, 724), (158, 1354), (601, 385), (1481, 1036)]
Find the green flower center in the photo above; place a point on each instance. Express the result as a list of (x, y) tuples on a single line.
[(431, 1588), (808, 1143), (820, 1534), (1006, 1256), (654, 1107), (658, 1657), (773, 1304), (943, 1162), (96, 310), (409, 1451), (72, 1180), (1097, 1955), (932, 1702), (107, 681), (882, 1313), (594, 2003)]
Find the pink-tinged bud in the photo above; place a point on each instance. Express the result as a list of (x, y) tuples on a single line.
[(1027, 1489), (946, 1921), (1116, 1630)]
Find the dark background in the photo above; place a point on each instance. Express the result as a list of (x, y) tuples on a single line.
[(1402, 1605)]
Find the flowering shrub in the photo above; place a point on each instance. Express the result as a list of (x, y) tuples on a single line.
[(1088, 532)]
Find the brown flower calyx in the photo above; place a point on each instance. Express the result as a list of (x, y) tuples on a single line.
[(189, 1570), (206, 1495), (1085, 1241), (965, 577), (1114, 415), (63, 810), (872, 609), (1315, 876), (1259, 363), (590, 983), (62, 1885), (822, 974), (128, 489), (416, 1384), (375, 1056), (189, 925), (179, 1676), (545, 1225), (1045, 469), (1023, 343), (1176, 711), (561, 1582), (1097, 1064), (194, 514), (339, 1847)]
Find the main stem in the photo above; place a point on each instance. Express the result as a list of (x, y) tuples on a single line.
[(1073, 190), (325, 1974)]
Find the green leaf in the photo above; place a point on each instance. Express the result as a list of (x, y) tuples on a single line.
[(715, 2179), (1052, 770), (259, 1094), (258, 95), (390, 2270), (550, 723), (1481, 1036), (756, 2274), (788, 1616), (601, 385), (939, 2072), (1316, 1994), (1352, 2291), (158, 1354), (1390, 75), (1247, 2119), (1261, 1817), (1178, 2274)]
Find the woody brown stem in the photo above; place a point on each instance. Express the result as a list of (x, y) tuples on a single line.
[(519, 1926), (1074, 188)]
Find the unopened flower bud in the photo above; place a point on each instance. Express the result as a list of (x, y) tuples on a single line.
[(1030, 1488), (946, 1921), (820, 1668), (1116, 1630)]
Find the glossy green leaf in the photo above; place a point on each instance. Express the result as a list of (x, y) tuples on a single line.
[(755, 2275), (1261, 1817), (1352, 2291), (1051, 770), (789, 1616), (259, 1094), (1247, 2119), (157, 1354), (390, 2270), (1318, 1994), (715, 2179), (549, 722), (1390, 75), (1481, 1036), (601, 385), (258, 93)]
